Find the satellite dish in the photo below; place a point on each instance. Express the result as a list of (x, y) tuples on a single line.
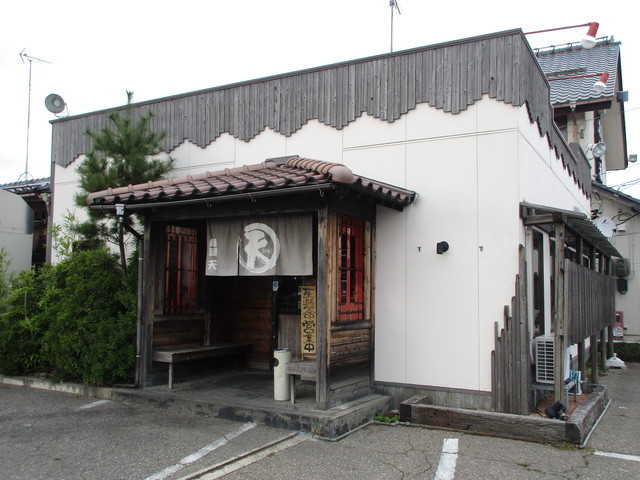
[(606, 226), (54, 103)]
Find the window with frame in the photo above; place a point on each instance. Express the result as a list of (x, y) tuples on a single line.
[(350, 269), (181, 270)]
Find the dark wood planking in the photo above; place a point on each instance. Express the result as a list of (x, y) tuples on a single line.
[(449, 76)]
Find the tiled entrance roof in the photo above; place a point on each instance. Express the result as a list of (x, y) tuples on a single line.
[(272, 175)]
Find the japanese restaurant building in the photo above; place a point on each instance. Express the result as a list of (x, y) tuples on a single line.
[(405, 192)]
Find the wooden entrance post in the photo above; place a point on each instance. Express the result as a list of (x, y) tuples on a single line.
[(322, 319)]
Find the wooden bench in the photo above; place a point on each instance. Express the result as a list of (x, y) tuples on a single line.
[(184, 354), (305, 369)]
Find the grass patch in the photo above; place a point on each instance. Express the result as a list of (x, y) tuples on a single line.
[(379, 417)]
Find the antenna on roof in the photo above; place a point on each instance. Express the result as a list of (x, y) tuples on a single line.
[(394, 6), (24, 56)]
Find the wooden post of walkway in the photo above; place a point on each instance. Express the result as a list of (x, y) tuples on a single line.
[(594, 358), (559, 328), (603, 348), (593, 339), (582, 344), (582, 360)]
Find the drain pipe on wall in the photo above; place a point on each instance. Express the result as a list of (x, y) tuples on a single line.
[(121, 213)]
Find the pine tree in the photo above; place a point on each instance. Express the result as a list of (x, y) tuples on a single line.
[(125, 153)]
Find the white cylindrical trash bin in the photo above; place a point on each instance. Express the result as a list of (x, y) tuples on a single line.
[(281, 391)]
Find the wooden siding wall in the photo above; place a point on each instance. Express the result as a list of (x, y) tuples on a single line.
[(176, 332), (241, 312), (511, 367), (252, 318), (350, 356), (350, 345), (590, 304), (219, 292), (448, 76)]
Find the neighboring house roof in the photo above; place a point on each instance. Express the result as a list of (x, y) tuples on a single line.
[(572, 72), (563, 64), (274, 176), (623, 198), (38, 185)]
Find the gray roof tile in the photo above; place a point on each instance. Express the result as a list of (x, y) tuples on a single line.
[(573, 60)]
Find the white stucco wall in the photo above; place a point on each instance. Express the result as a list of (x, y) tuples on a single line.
[(543, 179), (627, 242), (435, 314), (64, 188), (16, 231)]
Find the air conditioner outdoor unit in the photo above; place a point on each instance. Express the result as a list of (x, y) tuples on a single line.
[(544, 359), (544, 356)]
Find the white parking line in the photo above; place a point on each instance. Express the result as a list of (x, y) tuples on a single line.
[(91, 405), (231, 465), (448, 459), (200, 453), (621, 456)]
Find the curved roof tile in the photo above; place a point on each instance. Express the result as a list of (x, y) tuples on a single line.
[(269, 175)]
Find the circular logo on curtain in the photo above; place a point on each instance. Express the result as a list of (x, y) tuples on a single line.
[(259, 248)]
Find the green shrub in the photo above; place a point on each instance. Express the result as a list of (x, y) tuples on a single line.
[(22, 326), (4, 280), (91, 312), (628, 352)]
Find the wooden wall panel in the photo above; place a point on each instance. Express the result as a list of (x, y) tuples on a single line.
[(349, 347), (252, 317), (178, 332), (510, 363), (591, 297)]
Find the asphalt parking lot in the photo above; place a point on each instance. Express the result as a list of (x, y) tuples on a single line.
[(50, 435)]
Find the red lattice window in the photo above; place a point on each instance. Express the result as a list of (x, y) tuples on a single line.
[(181, 270), (351, 269)]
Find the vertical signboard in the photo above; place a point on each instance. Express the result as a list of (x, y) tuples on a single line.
[(308, 321)]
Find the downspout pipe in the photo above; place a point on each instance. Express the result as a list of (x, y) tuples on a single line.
[(122, 213)]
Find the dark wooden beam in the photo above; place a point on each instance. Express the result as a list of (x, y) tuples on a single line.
[(539, 219)]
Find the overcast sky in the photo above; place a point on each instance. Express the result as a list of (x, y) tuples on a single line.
[(94, 52)]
